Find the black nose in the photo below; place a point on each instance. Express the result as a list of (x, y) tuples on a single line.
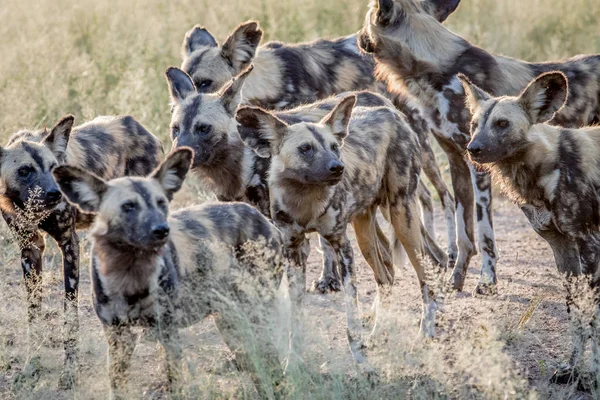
[(54, 195), (474, 148), (160, 232), (336, 167)]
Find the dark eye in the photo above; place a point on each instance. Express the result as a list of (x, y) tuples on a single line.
[(175, 131), (502, 123), (129, 206), (24, 172), (335, 147), (204, 84), (203, 128), (305, 148), (161, 203)]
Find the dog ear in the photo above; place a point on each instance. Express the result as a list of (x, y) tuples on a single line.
[(180, 84), (385, 12), (172, 171), (231, 94), (545, 96), (58, 138), (441, 9), (196, 38), (260, 130), (339, 118), (474, 96), (240, 47), (80, 187)]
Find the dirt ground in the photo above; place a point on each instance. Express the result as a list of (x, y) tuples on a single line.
[(529, 290)]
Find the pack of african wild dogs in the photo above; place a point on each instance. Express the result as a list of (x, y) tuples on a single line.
[(295, 139)]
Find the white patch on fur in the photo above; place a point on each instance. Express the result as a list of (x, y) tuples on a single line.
[(549, 182)]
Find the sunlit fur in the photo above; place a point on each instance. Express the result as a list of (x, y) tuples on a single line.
[(381, 166), (164, 272), (108, 147), (537, 163)]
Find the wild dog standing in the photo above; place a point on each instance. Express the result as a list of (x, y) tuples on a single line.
[(290, 75), (163, 272), (107, 146), (544, 167), (326, 175), (416, 53), (232, 170)]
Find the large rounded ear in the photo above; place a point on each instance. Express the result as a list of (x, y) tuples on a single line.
[(58, 138), (545, 96), (180, 84), (172, 171), (339, 118), (474, 96), (260, 130), (441, 9), (231, 93), (240, 47), (196, 38), (385, 12), (81, 188)]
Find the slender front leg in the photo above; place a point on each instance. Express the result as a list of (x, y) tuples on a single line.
[(31, 262), (121, 343), (463, 192), (345, 258), (485, 231), (568, 261), (329, 281), (299, 249), (70, 252)]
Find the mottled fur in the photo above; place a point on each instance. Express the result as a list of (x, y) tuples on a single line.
[(415, 53), (291, 75), (107, 146), (552, 172), (163, 272), (339, 170)]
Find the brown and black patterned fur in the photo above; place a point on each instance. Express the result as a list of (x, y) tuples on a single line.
[(108, 146), (340, 170), (291, 75), (551, 171), (164, 272), (415, 53)]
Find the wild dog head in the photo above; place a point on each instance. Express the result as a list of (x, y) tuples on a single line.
[(305, 153), (201, 121), (131, 212), (26, 164), (212, 66), (500, 126), (403, 21)]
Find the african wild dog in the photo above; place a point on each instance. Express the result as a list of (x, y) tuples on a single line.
[(205, 121), (551, 171), (291, 75), (165, 272), (108, 146), (416, 54), (340, 170)]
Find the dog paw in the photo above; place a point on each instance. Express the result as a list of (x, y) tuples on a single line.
[(326, 284), (486, 289)]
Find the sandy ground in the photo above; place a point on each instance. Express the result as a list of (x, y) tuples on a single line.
[(528, 284)]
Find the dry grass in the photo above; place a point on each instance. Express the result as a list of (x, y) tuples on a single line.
[(92, 57)]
